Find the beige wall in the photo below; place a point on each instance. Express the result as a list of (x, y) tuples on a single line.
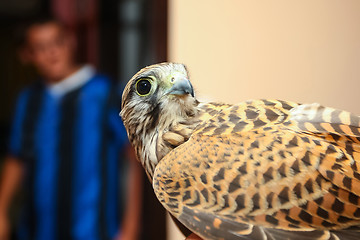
[(305, 51)]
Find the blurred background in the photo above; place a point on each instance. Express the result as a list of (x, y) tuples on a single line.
[(304, 51), (118, 37)]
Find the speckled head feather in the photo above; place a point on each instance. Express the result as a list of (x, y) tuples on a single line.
[(159, 72), (146, 115)]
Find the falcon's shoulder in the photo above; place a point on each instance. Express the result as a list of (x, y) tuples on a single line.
[(245, 116)]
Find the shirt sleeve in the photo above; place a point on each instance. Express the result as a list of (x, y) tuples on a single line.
[(115, 122), (14, 144)]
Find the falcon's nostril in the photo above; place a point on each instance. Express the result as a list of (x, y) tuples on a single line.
[(181, 87)]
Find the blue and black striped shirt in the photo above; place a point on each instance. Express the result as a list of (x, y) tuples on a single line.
[(70, 145)]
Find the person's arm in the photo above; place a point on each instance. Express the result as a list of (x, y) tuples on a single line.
[(12, 174), (132, 219)]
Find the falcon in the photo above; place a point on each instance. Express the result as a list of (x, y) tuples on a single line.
[(260, 169)]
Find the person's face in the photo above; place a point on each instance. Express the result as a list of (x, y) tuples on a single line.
[(50, 50)]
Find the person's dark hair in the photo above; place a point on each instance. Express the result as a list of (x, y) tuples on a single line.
[(20, 31)]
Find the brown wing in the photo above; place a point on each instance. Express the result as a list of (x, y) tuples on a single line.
[(266, 170)]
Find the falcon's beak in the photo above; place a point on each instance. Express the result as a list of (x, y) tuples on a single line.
[(181, 86)]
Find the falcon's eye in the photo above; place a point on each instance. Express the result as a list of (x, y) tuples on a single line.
[(143, 87)]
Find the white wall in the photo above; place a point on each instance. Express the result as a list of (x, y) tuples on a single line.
[(305, 51)]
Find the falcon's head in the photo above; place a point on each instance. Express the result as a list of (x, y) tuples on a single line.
[(155, 98)]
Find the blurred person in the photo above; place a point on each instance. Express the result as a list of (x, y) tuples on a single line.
[(64, 147)]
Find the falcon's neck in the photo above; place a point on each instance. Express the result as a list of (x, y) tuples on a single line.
[(146, 132)]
